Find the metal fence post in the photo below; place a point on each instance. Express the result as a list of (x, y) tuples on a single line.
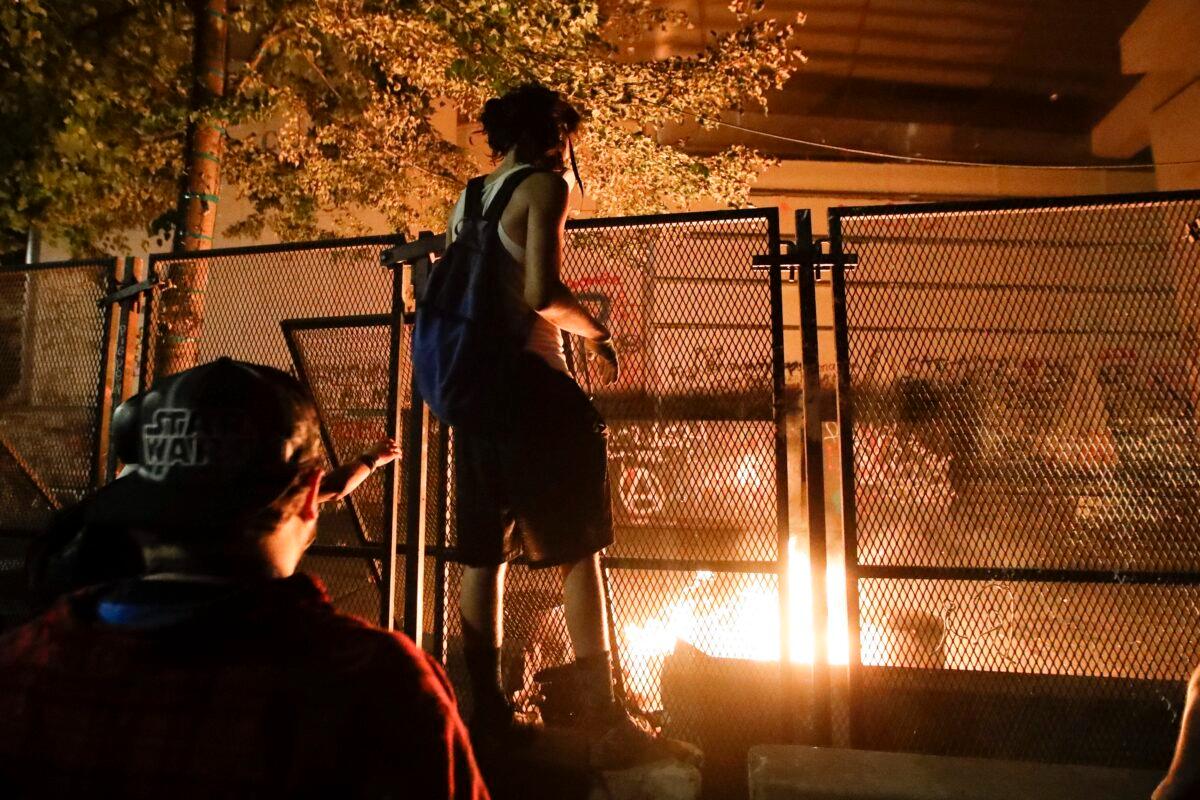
[(133, 330), (391, 486), (845, 407), (438, 461), (126, 354), (109, 345), (149, 314), (814, 477), (416, 480), (789, 689), (415, 458)]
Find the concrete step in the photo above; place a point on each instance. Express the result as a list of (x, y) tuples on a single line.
[(792, 772), (554, 766)]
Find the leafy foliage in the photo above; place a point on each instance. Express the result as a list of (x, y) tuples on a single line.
[(330, 105)]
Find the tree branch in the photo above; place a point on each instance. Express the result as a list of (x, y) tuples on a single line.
[(260, 51), (312, 63)]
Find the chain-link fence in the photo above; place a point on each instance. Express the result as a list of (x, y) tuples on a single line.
[(1017, 393), (1016, 404), (321, 311), (697, 581), (56, 335), (697, 468)]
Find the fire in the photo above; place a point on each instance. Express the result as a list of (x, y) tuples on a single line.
[(741, 624)]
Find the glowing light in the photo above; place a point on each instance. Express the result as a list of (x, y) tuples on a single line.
[(747, 473), (741, 624)]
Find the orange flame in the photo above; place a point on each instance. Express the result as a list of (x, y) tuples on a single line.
[(743, 625)]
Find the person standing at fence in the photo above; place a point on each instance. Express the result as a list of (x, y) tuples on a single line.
[(535, 484), (222, 671)]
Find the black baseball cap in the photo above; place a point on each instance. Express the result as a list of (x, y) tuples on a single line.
[(212, 446)]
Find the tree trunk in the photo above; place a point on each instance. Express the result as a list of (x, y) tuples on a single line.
[(182, 312)]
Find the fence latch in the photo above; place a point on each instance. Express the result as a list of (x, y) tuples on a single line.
[(817, 258), (132, 290)]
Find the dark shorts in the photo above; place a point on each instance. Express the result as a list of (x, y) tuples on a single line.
[(537, 486)]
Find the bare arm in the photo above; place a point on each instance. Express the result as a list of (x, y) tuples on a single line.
[(544, 290), (345, 479)]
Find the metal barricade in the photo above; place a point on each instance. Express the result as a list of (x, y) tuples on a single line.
[(322, 311), (57, 339), (1017, 386), (698, 577)]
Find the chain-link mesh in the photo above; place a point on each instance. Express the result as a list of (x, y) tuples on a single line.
[(318, 311), (693, 577), (692, 448), (691, 420), (231, 303), (1023, 382), (535, 632), (52, 346), (696, 485), (694, 453), (344, 361), (352, 582)]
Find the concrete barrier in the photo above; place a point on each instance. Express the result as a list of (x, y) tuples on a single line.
[(792, 772)]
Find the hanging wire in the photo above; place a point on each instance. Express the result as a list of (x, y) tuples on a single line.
[(946, 162)]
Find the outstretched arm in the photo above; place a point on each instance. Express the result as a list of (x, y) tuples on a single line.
[(345, 479)]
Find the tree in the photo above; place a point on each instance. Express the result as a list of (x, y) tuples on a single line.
[(329, 105), (183, 308), (94, 103)]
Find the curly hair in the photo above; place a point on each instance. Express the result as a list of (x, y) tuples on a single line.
[(531, 118)]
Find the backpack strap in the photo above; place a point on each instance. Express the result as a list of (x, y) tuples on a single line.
[(474, 197), (505, 193)]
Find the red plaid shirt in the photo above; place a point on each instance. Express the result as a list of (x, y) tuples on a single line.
[(270, 693)]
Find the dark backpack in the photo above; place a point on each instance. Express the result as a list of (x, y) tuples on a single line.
[(463, 350)]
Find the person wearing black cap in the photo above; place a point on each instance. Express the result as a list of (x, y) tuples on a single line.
[(222, 671), (71, 553)]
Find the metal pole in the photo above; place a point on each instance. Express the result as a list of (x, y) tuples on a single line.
[(33, 246), (814, 480), (438, 468), (149, 325), (416, 485), (845, 413), (29, 327), (790, 690), (114, 314), (391, 484), (131, 321), (127, 354)]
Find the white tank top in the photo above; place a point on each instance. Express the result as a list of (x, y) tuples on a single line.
[(545, 339)]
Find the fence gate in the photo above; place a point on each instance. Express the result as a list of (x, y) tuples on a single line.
[(322, 311), (1017, 386), (698, 471)]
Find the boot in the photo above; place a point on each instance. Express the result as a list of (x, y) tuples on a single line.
[(494, 722), (619, 737)]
